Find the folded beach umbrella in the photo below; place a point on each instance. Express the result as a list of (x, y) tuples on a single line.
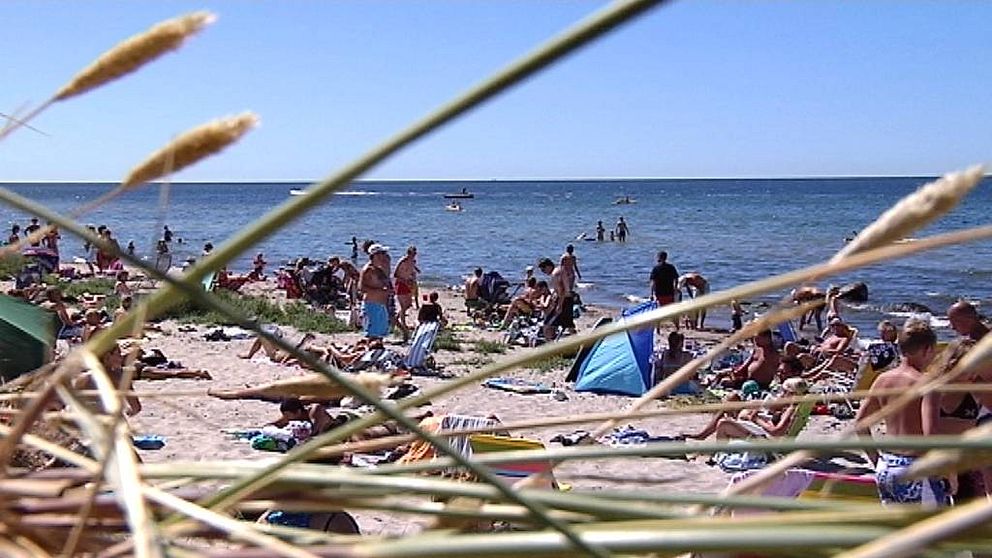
[(27, 337)]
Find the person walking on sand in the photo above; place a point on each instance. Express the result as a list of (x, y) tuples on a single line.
[(376, 289), (918, 343), (405, 281), (664, 277), (569, 265), (622, 230)]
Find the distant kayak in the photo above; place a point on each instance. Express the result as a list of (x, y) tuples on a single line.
[(295, 192)]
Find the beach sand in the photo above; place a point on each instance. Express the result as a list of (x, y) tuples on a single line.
[(192, 423)]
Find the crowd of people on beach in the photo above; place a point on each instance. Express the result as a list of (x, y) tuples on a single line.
[(379, 296)]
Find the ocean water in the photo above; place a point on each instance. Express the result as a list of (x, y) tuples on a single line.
[(732, 231)]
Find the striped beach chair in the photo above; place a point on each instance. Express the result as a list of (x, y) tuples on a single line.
[(483, 444), (422, 345)]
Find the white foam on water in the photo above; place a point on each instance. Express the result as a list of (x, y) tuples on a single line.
[(934, 322), (585, 285)]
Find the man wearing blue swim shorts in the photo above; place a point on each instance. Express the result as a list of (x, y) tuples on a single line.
[(376, 289), (918, 345)]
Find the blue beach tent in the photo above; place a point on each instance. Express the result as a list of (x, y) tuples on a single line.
[(619, 363)]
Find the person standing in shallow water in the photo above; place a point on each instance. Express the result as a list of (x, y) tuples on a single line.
[(622, 230), (600, 231)]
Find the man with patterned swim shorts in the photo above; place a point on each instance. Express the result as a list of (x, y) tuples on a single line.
[(917, 343), (376, 289)]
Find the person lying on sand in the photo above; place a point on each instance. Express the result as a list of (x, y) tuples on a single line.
[(271, 350)]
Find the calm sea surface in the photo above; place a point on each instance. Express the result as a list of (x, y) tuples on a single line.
[(732, 231)]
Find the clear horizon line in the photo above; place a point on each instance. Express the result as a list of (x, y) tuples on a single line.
[(499, 179)]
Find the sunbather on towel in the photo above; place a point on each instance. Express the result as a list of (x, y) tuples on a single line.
[(273, 352), (750, 423)]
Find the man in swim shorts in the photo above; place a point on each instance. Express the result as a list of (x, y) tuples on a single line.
[(405, 283), (918, 343), (376, 289), (663, 280)]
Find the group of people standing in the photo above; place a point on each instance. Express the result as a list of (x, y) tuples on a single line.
[(618, 233), (388, 294)]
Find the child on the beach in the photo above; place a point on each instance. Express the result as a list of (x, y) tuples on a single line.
[(736, 315)]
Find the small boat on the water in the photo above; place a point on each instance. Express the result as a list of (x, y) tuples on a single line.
[(453, 206), (624, 201), (295, 192), (463, 195)]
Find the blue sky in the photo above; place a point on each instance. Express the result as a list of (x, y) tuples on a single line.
[(692, 89)]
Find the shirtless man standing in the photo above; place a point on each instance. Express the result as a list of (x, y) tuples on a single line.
[(917, 343), (569, 265), (561, 312), (695, 285), (622, 230), (376, 288), (405, 277)]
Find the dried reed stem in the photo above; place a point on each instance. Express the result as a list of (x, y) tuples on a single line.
[(915, 211), (196, 144), (135, 52)]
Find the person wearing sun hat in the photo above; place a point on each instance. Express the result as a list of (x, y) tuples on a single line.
[(376, 289)]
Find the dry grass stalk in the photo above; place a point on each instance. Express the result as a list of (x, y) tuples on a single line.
[(915, 211), (190, 147), (135, 52)]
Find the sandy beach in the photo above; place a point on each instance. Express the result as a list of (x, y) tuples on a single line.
[(193, 424)]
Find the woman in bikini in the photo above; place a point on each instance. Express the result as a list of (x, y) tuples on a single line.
[(954, 414)]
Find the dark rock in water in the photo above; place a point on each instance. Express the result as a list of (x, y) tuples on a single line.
[(912, 307), (854, 292)]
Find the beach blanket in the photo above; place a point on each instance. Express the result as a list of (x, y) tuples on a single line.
[(516, 385), (631, 436)]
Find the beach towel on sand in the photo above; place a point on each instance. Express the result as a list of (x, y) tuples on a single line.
[(516, 385)]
